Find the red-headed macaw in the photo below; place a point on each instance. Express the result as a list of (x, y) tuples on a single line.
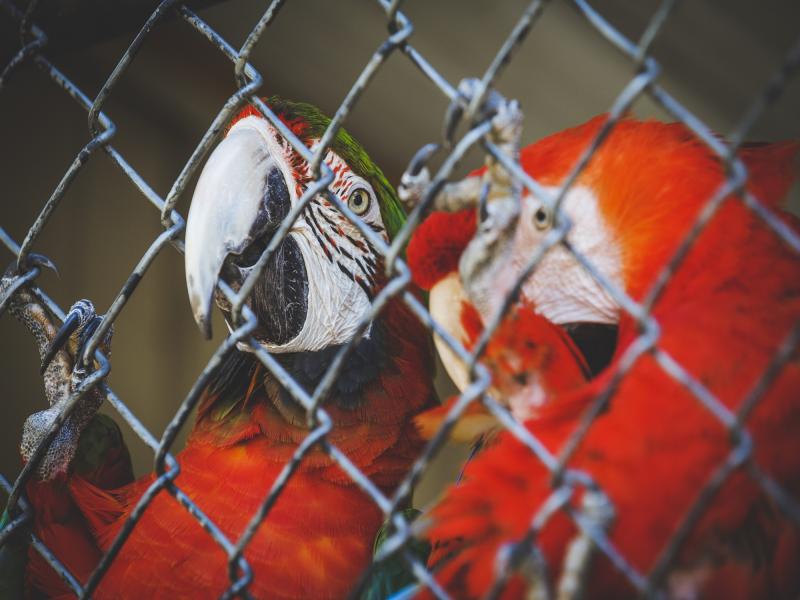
[(723, 316), (529, 358), (316, 287)]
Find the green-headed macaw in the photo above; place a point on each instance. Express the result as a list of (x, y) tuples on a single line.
[(316, 288)]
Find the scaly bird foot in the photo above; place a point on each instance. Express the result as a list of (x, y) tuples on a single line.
[(79, 325), (59, 350), (415, 180), (506, 118), (497, 194), (506, 115)]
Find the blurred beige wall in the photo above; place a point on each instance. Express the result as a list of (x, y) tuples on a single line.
[(716, 56)]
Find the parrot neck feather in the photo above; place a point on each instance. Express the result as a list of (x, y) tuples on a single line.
[(385, 380), (242, 380)]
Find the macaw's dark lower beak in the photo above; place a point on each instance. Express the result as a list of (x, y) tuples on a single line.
[(280, 298), (596, 341)]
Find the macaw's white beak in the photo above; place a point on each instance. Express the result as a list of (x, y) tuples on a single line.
[(240, 195)]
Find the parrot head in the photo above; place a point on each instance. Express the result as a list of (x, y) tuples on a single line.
[(629, 209), (528, 357), (318, 283)]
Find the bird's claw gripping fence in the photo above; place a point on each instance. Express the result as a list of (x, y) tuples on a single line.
[(468, 104)]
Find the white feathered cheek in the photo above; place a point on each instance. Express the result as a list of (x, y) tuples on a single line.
[(340, 264), (336, 304)]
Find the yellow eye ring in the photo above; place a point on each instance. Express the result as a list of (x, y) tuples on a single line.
[(359, 201), (542, 218)]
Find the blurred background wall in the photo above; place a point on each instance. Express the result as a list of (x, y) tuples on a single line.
[(716, 57)]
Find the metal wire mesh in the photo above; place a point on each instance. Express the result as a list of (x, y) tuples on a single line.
[(399, 28)]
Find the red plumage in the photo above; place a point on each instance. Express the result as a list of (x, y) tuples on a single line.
[(526, 351), (722, 317), (527, 345), (437, 244), (317, 538)]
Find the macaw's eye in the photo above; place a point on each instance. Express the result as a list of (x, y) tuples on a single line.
[(542, 218), (359, 201)]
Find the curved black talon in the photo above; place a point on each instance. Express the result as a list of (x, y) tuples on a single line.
[(483, 202), (452, 117), (419, 160), (40, 260), (13, 279), (455, 111), (32, 260), (81, 319)]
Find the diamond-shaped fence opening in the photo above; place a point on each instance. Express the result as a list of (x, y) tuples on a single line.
[(42, 38)]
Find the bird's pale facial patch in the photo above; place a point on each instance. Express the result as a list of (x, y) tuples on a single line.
[(560, 288), (342, 266)]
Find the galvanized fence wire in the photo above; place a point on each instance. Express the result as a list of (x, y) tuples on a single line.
[(467, 107)]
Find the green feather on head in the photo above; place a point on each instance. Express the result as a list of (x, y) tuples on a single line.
[(309, 123)]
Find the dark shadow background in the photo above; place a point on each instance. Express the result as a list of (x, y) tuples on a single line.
[(716, 57)]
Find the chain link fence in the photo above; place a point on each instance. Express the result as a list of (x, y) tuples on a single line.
[(644, 82)]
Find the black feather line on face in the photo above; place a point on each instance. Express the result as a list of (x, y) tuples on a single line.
[(368, 273), (317, 233), (365, 273), (327, 219), (346, 254), (376, 228), (356, 279), (331, 242), (366, 280)]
